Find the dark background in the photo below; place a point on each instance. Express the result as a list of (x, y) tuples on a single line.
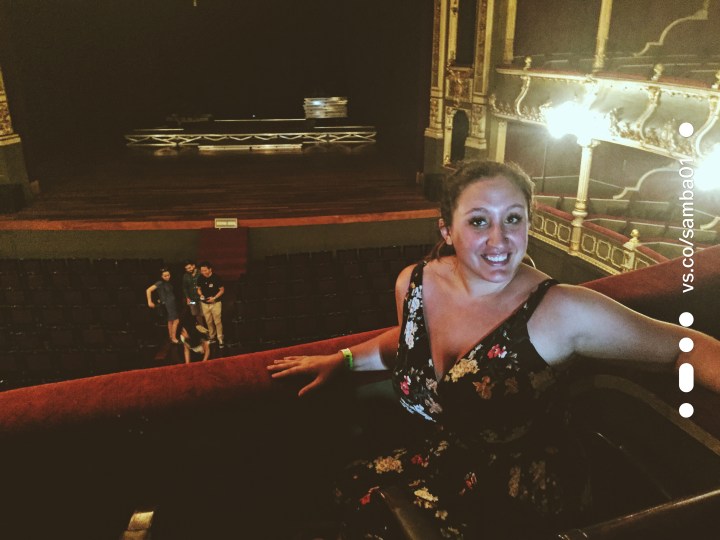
[(80, 73)]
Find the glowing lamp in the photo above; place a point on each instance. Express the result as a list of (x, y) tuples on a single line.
[(707, 175), (573, 118)]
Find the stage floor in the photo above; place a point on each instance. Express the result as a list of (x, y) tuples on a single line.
[(166, 189)]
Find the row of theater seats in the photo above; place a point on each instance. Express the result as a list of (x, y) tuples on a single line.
[(656, 186), (659, 219), (63, 319), (77, 274), (303, 297), (36, 350), (55, 325), (653, 219)]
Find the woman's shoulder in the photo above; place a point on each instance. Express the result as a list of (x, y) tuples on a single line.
[(528, 279), (565, 302), (402, 283)]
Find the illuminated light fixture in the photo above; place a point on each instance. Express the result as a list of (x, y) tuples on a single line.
[(572, 118), (707, 175)]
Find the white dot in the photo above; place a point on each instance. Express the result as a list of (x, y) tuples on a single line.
[(686, 344), (686, 129), (686, 319), (686, 410)]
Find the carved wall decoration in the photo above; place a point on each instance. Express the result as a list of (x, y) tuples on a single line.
[(709, 123), (5, 122), (435, 119), (459, 84), (517, 106), (500, 108), (480, 46), (6, 128), (449, 115), (435, 75), (654, 99), (532, 115), (641, 114), (666, 137), (699, 15), (477, 121), (452, 29)]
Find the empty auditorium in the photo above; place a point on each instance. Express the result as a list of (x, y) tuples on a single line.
[(343, 269)]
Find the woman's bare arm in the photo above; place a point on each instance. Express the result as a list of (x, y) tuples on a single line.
[(375, 354), (576, 320), (148, 293)]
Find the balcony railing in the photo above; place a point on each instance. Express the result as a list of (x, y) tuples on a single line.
[(607, 250)]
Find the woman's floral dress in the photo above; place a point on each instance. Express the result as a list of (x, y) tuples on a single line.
[(493, 460)]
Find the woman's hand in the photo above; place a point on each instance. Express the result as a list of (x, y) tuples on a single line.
[(321, 367), (151, 305)]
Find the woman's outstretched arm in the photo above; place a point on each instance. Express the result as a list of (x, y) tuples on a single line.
[(375, 354), (578, 320), (371, 355)]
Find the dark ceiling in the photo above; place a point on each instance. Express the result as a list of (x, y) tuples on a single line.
[(83, 72)]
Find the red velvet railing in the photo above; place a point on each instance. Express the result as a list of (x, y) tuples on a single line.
[(656, 291)]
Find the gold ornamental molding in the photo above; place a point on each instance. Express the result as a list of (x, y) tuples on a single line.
[(481, 46), (604, 251), (6, 128), (12, 139), (435, 116), (7, 135), (709, 124), (641, 114), (435, 74), (459, 84), (477, 121)]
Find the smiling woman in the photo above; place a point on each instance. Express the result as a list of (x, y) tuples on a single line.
[(480, 357), (490, 226)]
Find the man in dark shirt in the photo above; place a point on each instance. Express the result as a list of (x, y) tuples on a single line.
[(210, 289), (190, 289)]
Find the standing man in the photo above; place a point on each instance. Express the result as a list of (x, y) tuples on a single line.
[(210, 289), (190, 289)]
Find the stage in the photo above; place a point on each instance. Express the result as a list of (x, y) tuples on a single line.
[(170, 188), (138, 202)]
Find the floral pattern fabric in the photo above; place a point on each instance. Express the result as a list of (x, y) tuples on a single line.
[(494, 461)]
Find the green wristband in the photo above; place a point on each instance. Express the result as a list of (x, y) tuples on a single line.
[(347, 358)]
